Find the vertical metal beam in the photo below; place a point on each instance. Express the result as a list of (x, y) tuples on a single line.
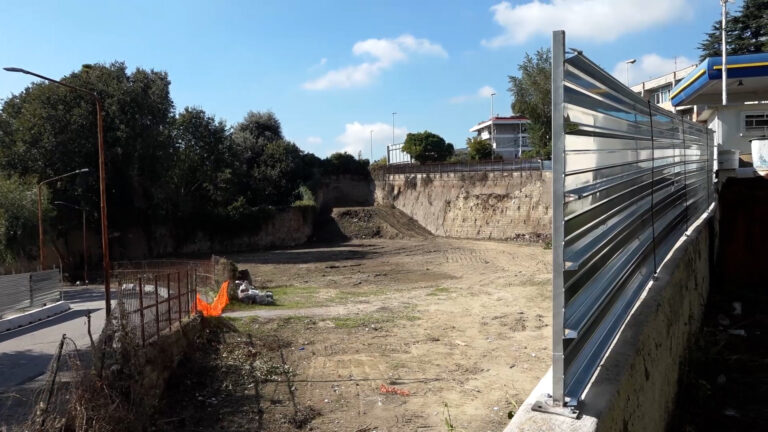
[(141, 310), (157, 310), (558, 198)]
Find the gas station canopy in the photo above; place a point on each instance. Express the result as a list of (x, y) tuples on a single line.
[(747, 81)]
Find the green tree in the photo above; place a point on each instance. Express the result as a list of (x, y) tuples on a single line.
[(48, 130), (18, 218), (427, 147), (746, 32), (202, 167), (532, 97), (479, 149)]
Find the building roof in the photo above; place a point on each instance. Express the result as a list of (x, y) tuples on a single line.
[(662, 80), (747, 81), (515, 119)]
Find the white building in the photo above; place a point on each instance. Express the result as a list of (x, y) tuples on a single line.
[(659, 90), (509, 135)]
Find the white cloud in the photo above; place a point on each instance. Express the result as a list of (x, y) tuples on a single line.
[(357, 137), (313, 140), (483, 92), (649, 66), (384, 53), (593, 20), (319, 64)]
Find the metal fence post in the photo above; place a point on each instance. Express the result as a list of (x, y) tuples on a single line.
[(141, 310), (31, 293), (653, 187), (178, 292), (168, 299), (157, 309), (558, 186)]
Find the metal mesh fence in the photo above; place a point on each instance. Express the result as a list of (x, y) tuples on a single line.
[(151, 301)]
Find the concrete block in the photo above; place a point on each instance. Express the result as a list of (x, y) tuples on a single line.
[(33, 316)]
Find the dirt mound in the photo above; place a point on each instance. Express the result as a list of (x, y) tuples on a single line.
[(377, 222)]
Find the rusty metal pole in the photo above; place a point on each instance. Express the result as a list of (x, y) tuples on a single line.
[(40, 223), (168, 299), (157, 309), (85, 254), (103, 205), (178, 293), (141, 310)]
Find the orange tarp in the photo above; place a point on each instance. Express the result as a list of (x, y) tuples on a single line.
[(219, 303)]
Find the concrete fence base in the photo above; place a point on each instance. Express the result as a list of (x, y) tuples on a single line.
[(33, 316)]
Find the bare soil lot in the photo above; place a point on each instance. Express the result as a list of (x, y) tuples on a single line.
[(463, 326)]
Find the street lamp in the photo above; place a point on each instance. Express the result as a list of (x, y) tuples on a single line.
[(723, 3), (393, 129), (629, 62), (40, 210), (102, 176), (371, 145), (85, 253), (493, 141)]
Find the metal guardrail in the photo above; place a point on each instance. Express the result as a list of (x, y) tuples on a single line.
[(476, 166), (628, 180), (26, 290)]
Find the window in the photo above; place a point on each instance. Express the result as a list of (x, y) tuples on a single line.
[(755, 123), (662, 95)]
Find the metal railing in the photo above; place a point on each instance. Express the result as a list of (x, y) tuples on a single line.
[(24, 290), (396, 155), (468, 167), (628, 180), (151, 301)]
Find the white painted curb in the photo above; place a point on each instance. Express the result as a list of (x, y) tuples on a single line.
[(33, 316)]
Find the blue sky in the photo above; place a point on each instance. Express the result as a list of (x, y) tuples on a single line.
[(334, 70)]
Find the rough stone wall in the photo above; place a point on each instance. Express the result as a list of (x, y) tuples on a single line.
[(498, 206), (289, 226)]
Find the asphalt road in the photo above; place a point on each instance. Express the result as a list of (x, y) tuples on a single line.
[(26, 352)]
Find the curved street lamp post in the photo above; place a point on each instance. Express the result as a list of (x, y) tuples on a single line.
[(102, 177)]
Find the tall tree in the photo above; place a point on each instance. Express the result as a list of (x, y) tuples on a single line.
[(427, 147), (48, 130), (746, 32), (532, 97)]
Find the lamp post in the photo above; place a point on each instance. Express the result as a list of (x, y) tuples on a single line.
[(40, 210), (371, 145), (493, 140), (723, 3), (629, 62), (85, 250), (102, 176), (393, 128)]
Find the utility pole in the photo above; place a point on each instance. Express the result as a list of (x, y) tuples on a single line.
[(493, 139), (725, 53)]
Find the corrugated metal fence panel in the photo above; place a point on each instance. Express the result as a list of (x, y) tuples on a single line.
[(46, 287), (634, 176), (14, 292)]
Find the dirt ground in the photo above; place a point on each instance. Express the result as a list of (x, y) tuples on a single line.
[(463, 326)]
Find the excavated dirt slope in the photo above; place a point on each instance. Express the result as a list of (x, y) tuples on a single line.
[(377, 222)]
